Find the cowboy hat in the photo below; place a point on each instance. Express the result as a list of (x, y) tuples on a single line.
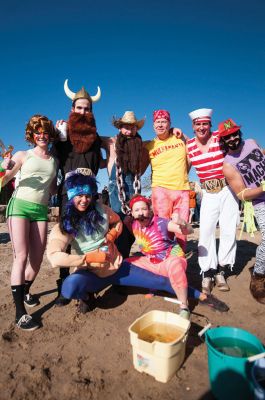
[(128, 118)]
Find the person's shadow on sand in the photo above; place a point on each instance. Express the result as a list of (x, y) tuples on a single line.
[(116, 295), (111, 298), (37, 315), (245, 252)]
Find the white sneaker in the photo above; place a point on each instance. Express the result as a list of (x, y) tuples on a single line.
[(184, 313), (221, 282), (207, 285)]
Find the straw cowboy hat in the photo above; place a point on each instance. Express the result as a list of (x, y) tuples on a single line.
[(128, 118)]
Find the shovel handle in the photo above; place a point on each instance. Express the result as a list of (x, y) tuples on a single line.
[(176, 301), (204, 329), (256, 357)]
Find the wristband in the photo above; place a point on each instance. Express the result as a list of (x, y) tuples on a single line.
[(242, 194)]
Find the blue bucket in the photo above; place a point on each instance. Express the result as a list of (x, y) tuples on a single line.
[(228, 365), (258, 379)]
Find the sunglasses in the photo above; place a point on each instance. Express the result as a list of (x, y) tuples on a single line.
[(232, 135), (41, 133)]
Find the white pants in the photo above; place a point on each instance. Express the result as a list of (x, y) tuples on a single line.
[(222, 206)]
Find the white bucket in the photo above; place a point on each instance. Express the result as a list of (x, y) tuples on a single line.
[(158, 359)]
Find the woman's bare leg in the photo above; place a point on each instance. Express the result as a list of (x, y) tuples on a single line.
[(37, 244), (19, 233), (19, 229)]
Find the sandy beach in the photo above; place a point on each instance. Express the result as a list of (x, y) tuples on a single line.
[(90, 357)]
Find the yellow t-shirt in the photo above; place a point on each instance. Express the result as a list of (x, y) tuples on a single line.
[(169, 163)]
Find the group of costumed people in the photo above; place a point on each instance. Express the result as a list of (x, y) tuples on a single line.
[(92, 228), (95, 240)]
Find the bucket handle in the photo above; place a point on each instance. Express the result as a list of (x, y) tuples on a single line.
[(208, 326), (256, 357)]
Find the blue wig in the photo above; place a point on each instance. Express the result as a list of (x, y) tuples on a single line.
[(75, 181), (73, 220)]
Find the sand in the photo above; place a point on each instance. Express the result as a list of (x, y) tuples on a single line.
[(90, 356)]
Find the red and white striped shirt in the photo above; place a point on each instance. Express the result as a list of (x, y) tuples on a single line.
[(208, 165)]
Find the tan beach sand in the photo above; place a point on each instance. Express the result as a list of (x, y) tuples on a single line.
[(90, 357)]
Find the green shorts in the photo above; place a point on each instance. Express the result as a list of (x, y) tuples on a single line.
[(26, 209)]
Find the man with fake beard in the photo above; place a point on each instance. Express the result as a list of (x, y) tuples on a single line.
[(127, 160), (218, 203), (161, 252), (79, 147), (248, 184), (124, 155)]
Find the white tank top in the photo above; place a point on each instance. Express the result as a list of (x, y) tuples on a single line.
[(36, 176)]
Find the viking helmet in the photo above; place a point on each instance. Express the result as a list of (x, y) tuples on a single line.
[(81, 94)]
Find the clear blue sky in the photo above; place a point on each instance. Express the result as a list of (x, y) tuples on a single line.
[(174, 54)]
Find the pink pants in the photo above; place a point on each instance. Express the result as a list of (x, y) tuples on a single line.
[(172, 267), (166, 202)]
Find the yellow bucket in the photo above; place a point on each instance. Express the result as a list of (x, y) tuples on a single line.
[(158, 340)]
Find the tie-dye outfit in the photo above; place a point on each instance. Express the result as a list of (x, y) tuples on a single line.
[(162, 254)]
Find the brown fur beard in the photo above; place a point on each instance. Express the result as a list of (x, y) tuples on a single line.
[(129, 153), (82, 131)]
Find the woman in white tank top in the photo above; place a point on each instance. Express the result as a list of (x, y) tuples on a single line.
[(27, 212)]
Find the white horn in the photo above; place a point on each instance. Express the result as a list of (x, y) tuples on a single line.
[(68, 92), (97, 96)]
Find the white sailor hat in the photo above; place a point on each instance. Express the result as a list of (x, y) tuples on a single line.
[(202, 115)]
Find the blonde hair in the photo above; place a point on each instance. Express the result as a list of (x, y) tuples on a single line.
[(35, 123)]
